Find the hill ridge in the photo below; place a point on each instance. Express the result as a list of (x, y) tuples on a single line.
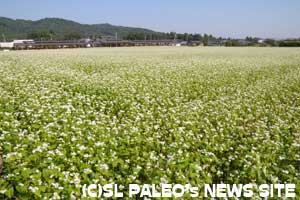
[(21, 28)]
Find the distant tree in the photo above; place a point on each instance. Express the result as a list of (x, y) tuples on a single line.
[(270, 42), (289, 43), (51, 33), (211, 37), (72, 36), (95, 36), (135, 36), (232, 43), (249, 39), (170, 36), (185, 36), (197, 37), (252, 39), (228, 43), (40, 35), (205, 39)]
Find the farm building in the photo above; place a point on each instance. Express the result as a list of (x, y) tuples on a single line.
[(11, 45), (6, 45)]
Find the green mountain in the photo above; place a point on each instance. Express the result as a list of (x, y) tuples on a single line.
[(57, 28)]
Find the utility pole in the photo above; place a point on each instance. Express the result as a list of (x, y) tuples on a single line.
[(3, 36), (116, 39), (175, 36)]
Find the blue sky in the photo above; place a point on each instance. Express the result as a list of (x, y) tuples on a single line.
[(227, 18)]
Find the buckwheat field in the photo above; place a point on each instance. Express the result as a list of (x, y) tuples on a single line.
[(147, 115)]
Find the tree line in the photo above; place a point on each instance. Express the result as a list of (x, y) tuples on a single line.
[(51, 35), (172, 36), (205, 39)]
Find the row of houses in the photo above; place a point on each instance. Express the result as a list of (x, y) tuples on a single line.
[(87, 43), (239, 42)]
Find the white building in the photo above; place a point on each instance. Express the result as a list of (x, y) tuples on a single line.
[(22, 41), (6, 45), (261, 41), (10, 45)]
